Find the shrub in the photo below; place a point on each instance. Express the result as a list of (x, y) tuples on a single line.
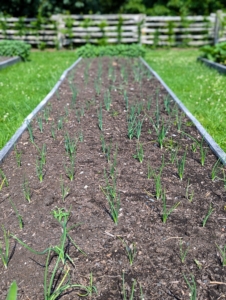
[(15, 48), (215, 53), (132, 50)]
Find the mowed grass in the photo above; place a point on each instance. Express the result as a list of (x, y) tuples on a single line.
[(201, 89), (24, 85)]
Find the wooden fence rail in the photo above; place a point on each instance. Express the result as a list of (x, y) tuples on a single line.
[(62, 30)]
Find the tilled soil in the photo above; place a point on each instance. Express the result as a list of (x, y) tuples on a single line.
[(157, 266)]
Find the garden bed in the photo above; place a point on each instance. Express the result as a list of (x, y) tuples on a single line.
[(219, 67), (84, 154), (8, 61)]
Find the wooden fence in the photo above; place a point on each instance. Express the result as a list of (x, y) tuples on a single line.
[(64, 30)]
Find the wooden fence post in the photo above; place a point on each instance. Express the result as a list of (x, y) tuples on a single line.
[(217, 26)]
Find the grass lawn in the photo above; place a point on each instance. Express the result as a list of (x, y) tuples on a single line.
[(24, 85), (202, 90)]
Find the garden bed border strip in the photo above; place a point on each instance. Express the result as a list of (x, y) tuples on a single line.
[(9, 62), (220, 68), (210, 141), (9, 145)]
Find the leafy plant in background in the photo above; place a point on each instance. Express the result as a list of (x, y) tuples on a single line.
[(15, 48), (119, 29), (215, 53), (132, 50), (103, 40)]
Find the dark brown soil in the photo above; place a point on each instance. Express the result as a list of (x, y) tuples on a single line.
[(157, 265)]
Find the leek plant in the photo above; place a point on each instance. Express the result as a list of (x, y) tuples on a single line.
[(183, 253), (107, 100), (18, 156), (181, 165), (4, 179), (210, 210), (223, 254), (70, 170), (19, 217), (30, 131), (113, 198), (26, 190), (131, 251), (4, 253), (166, 212), (192, 287), (40, 124), (70, 145), (100, 118), (140, 153)]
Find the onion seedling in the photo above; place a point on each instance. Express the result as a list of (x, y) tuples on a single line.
[(52, 290), (124, 289), (223, 254), (138, 128), (53, 134), (214, 170), (39, 169), (149, 103), (113, 199), (161, 135), (183, 253), (100, 118), (97, 87), (188, 195), (167, 104), (4, 254), (26, 190), (46, 114), (166, 212), (57, 95), (18, 157), (113, 165), (173, 155), (66, 111), (12, 292), (70, 171), (74, 94), (140, 153), (81, 137), (131, 250), (70, 145), (126, 100), (4, 179), (192, 287), (203, 153), (60, 213), (19, 217), (30, 131), (64, 190), (210, 210), (60, 123), (40, 124), (1, 184), (198, 264), (107, 100), (103, 144), (181, 165)]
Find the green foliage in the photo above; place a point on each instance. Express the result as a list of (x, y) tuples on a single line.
[(15, 48), (12, 293), (215, 53), (117, 50)]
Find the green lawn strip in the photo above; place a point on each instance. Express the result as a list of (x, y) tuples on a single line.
[(24, 85), (201, 89)]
